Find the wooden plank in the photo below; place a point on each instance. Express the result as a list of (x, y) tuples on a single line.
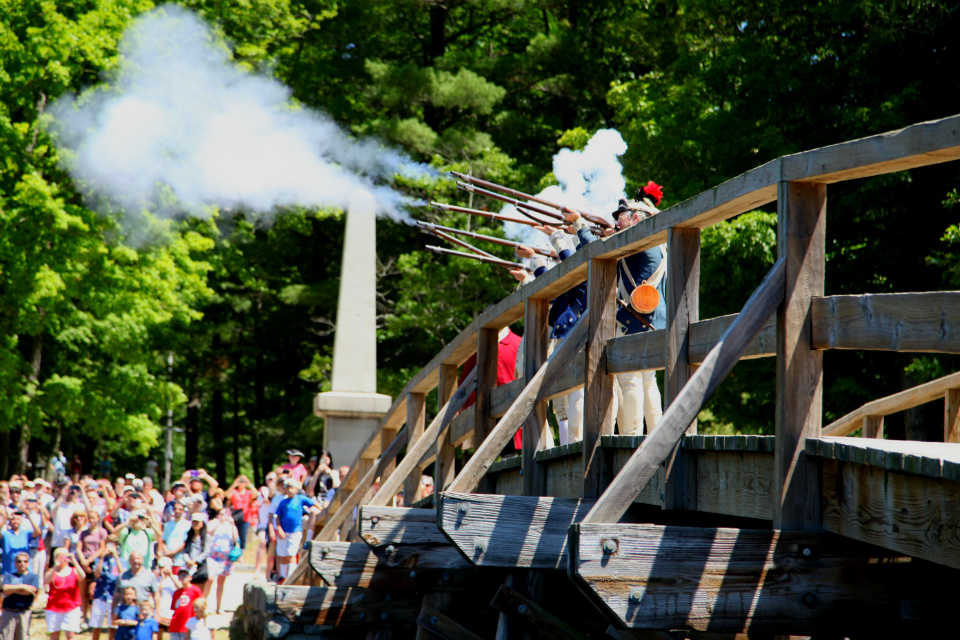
[(872, 427), (442, 626), (416, 449), (598, 400), (381, 526), (683, 308), (645, 462), (401, 566), (488, 348), (490, 448), (801, 238), (907, 399), (918, 458), (283, 610), (652, 493), (647, 350), (416, 419), (912, 515), (445, 468), (461, 427), (742, 580), (510, 531), (532, 616), (735, 483), (927, 322), (563, 477), (503, 396), (915, 146), (536, 430), (951, 415)]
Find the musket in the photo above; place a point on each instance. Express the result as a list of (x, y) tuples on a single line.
[(486, 214), (519, 194), (522, 207), (443, 236), (461, 254), (481, 236)]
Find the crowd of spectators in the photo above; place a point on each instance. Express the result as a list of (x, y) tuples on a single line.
[(122, 557)]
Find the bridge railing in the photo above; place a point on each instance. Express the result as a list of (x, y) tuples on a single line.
[(806, 323)]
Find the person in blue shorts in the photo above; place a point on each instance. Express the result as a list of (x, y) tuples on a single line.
[(288, 521)]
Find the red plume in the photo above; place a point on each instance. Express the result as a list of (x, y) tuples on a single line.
[(655, 191)]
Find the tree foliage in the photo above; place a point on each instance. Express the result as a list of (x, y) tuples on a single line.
[(701, 91)]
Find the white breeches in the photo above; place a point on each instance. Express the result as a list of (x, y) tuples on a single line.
[(638, 400)]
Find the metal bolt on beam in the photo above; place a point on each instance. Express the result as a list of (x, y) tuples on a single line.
[(391, 549), (522, 609), (807, 551), (463, 508), (481, 545), (809, 599), (610, 546), (434, 620), (636, 595), (413, 574), (325, 550), (374, 520)]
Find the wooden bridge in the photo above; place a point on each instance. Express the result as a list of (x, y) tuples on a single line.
[(674, 534)]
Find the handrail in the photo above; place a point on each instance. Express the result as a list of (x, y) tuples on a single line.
[(902, 401)]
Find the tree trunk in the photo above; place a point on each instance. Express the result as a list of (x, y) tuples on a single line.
[(36, 352), (236, 431), (216, 418), (191, 430), (5, 454)]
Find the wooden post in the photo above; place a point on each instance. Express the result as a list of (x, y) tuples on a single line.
[(536, 434), (598, 386), (416, 419), (488, 348), (872, 427), (387, 436), (951, 415), (683, 308), (445, 469), (801, 237)]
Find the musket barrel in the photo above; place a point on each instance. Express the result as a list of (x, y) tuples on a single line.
[(494, 239), (519, 194), (433, 230), (497, 261), (519, 205), (486, 214)]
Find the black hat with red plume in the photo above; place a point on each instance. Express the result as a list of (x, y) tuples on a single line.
[(652, 192)]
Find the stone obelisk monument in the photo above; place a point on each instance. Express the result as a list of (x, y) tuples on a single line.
[(353, 408)]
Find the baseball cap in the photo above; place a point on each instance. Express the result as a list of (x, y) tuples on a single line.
[(129, 476), (294, 452), (198, 517), (164, 562), (177, 484)]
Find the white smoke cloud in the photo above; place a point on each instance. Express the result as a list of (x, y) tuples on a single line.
[(590, 180), (179, 115)]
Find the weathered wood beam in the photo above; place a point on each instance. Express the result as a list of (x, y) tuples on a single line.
[(889, 322), (801, 243), (598, 398), (416, 449), (643, 634), (536, 429), (743, 580), (911, 515), (683, 309), (275, 611), (907, 399), (648, 350), (926, 459), (381, 526), (416, 419), (461, 428), (400, 566), (735, 483), (445, 469), (488, 349), (433, 601), (646, 461), (532, 616), (510, 531), (490, 448), (442, 626), (951, 415)]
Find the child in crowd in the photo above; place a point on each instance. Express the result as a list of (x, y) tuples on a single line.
[(197, 625), (183, 599), (127, 616), (147, 628), (168, 586), (107, 573)]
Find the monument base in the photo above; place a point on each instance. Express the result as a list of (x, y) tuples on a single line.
[(350, 419)]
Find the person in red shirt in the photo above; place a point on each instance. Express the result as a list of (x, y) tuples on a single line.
[(182, 605), (506, 370), (63, 602)]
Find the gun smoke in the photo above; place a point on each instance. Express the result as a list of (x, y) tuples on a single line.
[(590, 180), (179, 118)]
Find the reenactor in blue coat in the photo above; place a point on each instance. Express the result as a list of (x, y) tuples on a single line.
[(639, 394)]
